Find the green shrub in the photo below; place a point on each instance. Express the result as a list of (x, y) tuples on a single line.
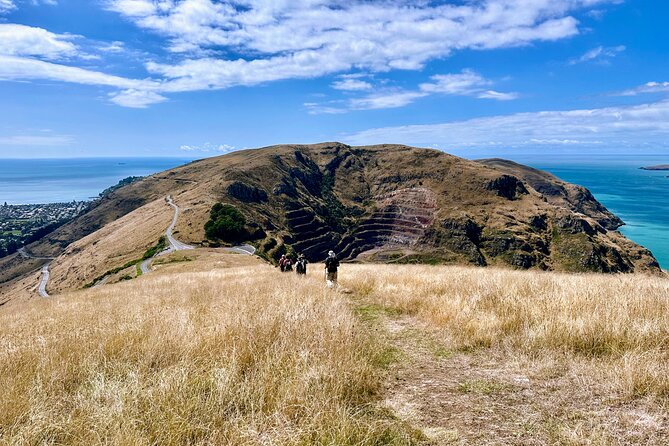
[(155, 249), (226, 222)]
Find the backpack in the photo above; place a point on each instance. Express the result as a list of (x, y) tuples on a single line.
[(301, 267), (331, 263)]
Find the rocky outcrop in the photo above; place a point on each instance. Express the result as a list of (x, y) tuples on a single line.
[(246, 193), (507, 186)]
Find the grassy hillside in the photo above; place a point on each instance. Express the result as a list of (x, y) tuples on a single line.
[(223, 349), (231, 356), (384, 204)]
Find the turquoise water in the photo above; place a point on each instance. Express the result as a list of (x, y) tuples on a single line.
[(32, 181), (639, 197)]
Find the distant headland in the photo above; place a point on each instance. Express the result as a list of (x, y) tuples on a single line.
[(658, 167)]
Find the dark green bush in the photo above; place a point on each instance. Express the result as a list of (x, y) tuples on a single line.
[(226, 222)]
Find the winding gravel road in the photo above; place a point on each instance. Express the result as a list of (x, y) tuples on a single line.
[(145, 266), (242, 249), (45, 270), (175, 245), (45, 279)]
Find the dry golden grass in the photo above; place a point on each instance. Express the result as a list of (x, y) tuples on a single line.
[(230, 356), (620, 324), (111, 246), (222, 349)]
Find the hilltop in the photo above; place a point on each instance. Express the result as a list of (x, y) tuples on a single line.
[(384, 203)]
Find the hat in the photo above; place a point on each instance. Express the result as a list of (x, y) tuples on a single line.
[(331, 253)]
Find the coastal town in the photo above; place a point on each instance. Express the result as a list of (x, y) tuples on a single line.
[(23, 223)]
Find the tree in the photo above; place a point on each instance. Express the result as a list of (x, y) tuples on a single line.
[(226, 222)]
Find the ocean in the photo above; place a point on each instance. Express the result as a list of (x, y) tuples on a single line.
[(639, 197), (36, 181)]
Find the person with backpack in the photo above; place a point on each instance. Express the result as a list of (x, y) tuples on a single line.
[(331, 267), (282, 263), (288, 265), (301, 265)]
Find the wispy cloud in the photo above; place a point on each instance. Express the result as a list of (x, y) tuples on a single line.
[(208, 148), (497, 95), (465, 83), (9, 5), (615, 127), (599, 54), (134, 98), (36, 140), (647, 88), (351, 85), (133, 93), (6, 6)]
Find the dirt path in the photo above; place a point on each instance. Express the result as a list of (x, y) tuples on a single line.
[(487, 398)]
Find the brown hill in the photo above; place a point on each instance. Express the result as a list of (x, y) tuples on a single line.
[(384, 203)]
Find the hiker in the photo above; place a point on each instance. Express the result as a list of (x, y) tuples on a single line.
[(288, 265), (282, 263), (301, 265), (331, 265)]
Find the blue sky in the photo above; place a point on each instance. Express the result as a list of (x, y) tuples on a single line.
[(202, 77)]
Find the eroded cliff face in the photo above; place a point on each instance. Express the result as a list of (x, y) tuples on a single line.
[(385, 203)]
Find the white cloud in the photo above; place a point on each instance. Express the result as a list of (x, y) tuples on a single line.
[(36, 140), (208, 147), (134, 93), (133, 98), (650, 87), (615, 127), (386, 100), (24, 68), (21, 40), (600, 54), (9, 5), (6, 6), (112, 47), (497, 95), (328, 108), (465, 83), (351, 85), (273, 40), (311, 38)]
